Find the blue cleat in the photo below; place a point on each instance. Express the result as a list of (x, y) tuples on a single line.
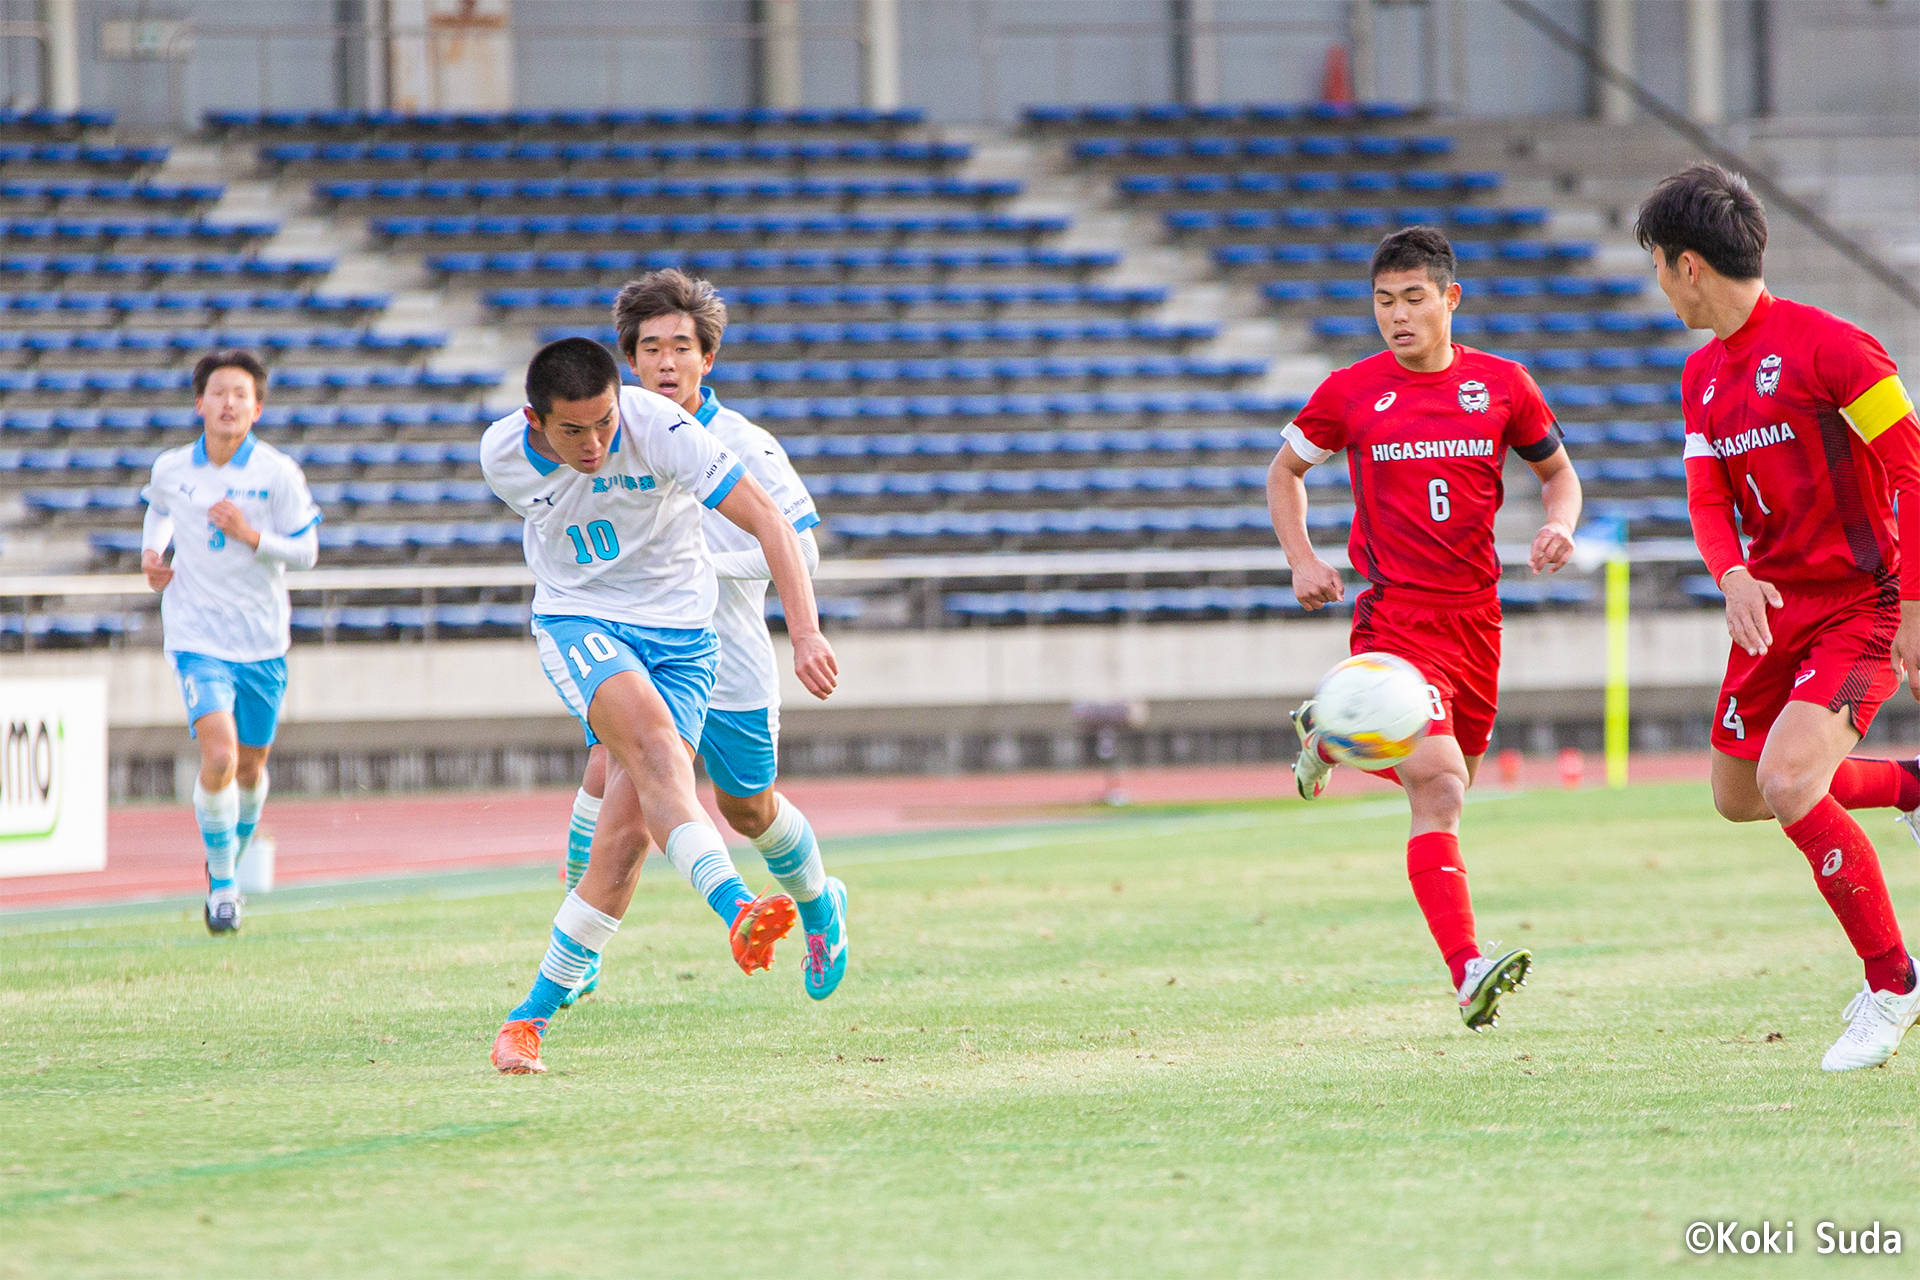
[(585, 988), (826, 961)]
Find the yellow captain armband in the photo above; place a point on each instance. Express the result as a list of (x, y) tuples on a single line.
[(1879, 407)]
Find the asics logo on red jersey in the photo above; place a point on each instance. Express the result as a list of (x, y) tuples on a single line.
[(1802, 678), (1417, 450), (1474, 396), (1766, 379), (1385, 402), (1757, 438), (1706, 397), (1831, 864)]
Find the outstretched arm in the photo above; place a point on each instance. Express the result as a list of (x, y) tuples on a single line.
[(1560, 494), (1315, 582), (748, 506), (751, 565)]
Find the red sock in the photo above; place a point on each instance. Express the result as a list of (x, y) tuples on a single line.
[(1848, 873), (1439, 881), (1877, 784)]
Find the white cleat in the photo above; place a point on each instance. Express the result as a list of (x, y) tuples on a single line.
[(1490, 976), (1310, 769), (1876, 1020)]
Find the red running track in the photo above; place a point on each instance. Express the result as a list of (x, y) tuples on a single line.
[(153, 850)]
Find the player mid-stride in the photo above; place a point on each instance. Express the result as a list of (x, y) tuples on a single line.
[(237, 512), (1799, 429), (1426, 425), (669, 329), (611, 482)]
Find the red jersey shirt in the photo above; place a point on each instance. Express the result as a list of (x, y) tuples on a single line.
[(1425, 452), (1799, 424)]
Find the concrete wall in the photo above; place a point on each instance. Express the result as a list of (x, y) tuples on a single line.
[(974, 60), (1195, 675)]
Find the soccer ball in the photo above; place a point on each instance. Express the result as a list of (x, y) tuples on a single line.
[(1371, 711)]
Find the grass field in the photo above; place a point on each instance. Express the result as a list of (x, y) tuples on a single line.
[(1203, 1042)]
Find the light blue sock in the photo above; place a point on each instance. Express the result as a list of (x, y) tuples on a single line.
[(218, 813), (252, 801), (698, 853), (586, 816), (794, 858), (580, 934)]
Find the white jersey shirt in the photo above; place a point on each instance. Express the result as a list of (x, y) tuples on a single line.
[(749, 678), (225, 600), (623, 544)]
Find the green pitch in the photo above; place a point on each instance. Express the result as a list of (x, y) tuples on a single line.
[(1199, 1042)]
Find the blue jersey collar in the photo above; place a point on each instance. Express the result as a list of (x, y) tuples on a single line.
[(709, 405), (241, 456), (538, 463)]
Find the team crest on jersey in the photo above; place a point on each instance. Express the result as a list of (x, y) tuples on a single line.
[(1766, 379), (1474, 397)]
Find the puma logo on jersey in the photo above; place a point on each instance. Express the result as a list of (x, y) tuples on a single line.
[(1418, 450), (1385, 402), (1756, 438)]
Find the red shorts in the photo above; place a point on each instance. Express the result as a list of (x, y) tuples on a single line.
[(1831, 648), (1454, 641)]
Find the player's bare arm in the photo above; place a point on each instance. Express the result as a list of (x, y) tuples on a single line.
[(1315, 582), (1560, 494), (748, 506)]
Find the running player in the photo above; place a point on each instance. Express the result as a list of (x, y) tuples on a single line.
[(243, 514), (1426, 425), (1798, 428), (669, 328), (611, 482)]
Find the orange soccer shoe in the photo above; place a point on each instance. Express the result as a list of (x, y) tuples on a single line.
[(760, 924), (516, 1050)]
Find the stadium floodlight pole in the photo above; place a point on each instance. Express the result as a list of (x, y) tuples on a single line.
[(1774, 193)]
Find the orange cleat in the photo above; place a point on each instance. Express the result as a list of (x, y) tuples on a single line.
[(516, 1050), (760, 924)]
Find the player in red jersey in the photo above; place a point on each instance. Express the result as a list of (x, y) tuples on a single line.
[(1426, 425), (1798, 428)]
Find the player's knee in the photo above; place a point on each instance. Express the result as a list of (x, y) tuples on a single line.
[(1786, 787), (749, 815), (1741, 805), (1439, 796), (218, 762)]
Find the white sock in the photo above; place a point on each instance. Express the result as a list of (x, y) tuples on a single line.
[(699, 854), (218, 813), (252, 801), (791, 852)]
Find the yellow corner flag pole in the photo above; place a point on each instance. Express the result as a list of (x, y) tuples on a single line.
[(1618, 580)]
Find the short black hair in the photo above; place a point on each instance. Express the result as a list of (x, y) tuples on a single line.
[(570, 369), (1711, 211), (233, 358), (1410, 249)]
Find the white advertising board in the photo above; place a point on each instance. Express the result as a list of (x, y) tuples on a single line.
[(53, 776)]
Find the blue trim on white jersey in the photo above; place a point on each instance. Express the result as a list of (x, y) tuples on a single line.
[(709, 405), (540, 464), (616, 440), (240, 458), (806, 522), (318, 517), (725, 487)]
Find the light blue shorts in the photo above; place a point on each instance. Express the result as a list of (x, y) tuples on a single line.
[(579, 654), (742, 750), (249, 691)]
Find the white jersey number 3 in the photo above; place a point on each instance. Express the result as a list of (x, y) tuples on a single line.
[(1438, 504)]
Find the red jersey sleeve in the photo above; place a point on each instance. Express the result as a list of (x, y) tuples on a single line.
[(1710, 498), (1853, 368), (1531, 431), (1319, 430)]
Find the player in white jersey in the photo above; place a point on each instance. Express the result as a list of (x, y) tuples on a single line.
[(611, 482), (669, 329), (237, 512)]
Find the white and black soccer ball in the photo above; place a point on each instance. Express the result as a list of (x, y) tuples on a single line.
[(1371, 711)]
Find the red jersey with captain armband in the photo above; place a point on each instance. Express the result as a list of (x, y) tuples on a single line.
[(1425, 452), (1798, 423)]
